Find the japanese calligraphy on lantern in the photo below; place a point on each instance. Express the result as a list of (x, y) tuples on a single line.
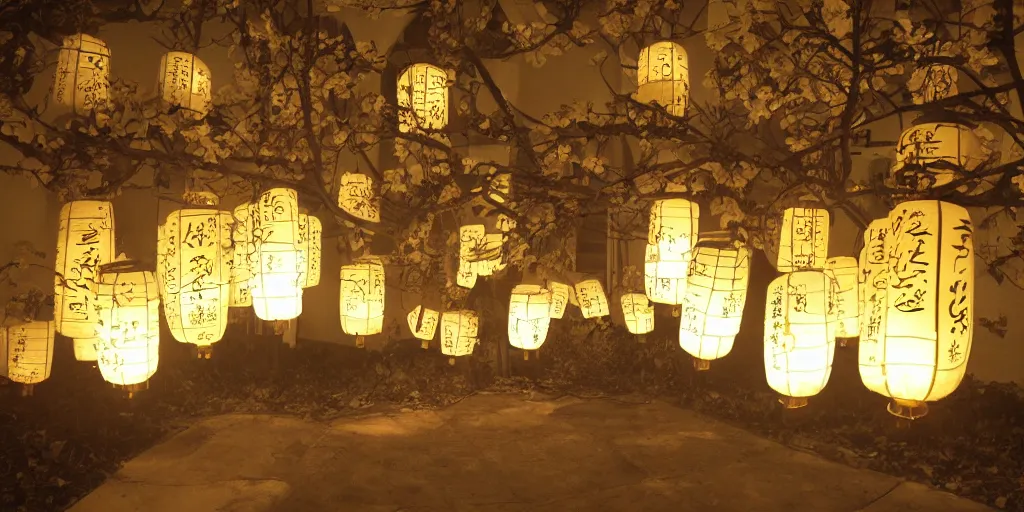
[(82, 79), (459, 331), (803, 240), (798, 345), (529, 315), (423, 98), (185, 82), (423, 322), (85, 240), (362, 297), (673, 227), (874, 261), (938, 148), (559, 298), (244, 256), (358, 197), (591, 298), (310, 231), (28, 352), (712, 307), (128, 324), (663, 77), (638, 313), (844, 273), (665, 280), (276, 286)]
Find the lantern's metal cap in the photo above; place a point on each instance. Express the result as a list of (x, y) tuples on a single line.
[(793, 402), (907, 409)]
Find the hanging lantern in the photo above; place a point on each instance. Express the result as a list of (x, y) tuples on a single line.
[(673, 227), (185, 82), (28, 353), (86, 349), (638, 313), (490, 249), (844, 272), (716, 292), (357, 196), (82, 79), (244, 257), (933, 83), (665, 280), (422, 98), (466, 276), (362, 298), (591, 298), (197, 275), (798, 343), (559, 298), (128, 325), (423, 324), (85, 240), (874, 263), (459, 331), (937, 153), (529, 315), (803, 241), (663, 77), (276, 288), (310, 232), (929, 319)]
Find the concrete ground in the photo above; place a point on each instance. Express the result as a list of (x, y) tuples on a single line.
[(497, 453)]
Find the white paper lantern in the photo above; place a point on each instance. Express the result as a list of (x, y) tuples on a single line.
[(362, 298), (423, 323), (665, 280), (85, 240), (933, 83), (245, 257), (798, 343), (459, 331), (480, 254), (423, 98), (559, 298), (663, 77), (874, 263), (128, 324), (638, 313), (930, 304), (529, 315), (803, 240), (592, 299), (844, 271), (196, 275), (673, 227), (716, 292), (938, 148), (185, 82), (310, 233), (82, 79), (358, 197), (28, 352), (86, 349), (276, 286)]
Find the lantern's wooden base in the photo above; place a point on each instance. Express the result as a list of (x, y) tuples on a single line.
[(360, 342), (677, 311), (907, 409), (845, 342), (131, 389), (793, 402), (205, 352), (701, 365), (451, 361), (641, 338), (28, 390), (424, 344)]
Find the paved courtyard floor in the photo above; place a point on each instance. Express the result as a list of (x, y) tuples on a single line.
[(497, 453)]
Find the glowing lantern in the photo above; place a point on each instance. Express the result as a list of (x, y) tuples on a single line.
[(459, 331), (529, 315), (86, 349), (798, 343), (358, 197), (85, 240), (638, 313), (933, 83), (803, 244), (362, 298), (931, 149), (28, 353), (423, 324), (244, 257), (673, 227), (874, 262), (128, 324), (196, 275), (310, 231), (480, 254), (716, 292), (82, 79), (185, 82), (276, 286), (930, 304), (663, 77), (844, 272), (591, 298), (423, 98), (665, 280), (559, 298)]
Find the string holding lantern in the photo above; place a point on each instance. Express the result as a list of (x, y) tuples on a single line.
[(85, 240), (422, 98), (459, 331), (185, 82), (82, 79), (663, 77), (798, 343), (712, 309), (592, 299), (423, 324), (358, 197), (362, 298), (803, 240), (244, 259), (844, 272), (529, 315), (128, 325), (27, 353), (873, 271), (276, 286), (310, 233), (638, 313), (559, 298)]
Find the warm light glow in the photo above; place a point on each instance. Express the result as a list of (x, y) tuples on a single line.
[(874, 263), (358, 197), (529, 315), (185, 82), (559, 298), (665, 280), (276, 288), (128, 324), (459, 331), (844, 272), (86, 349), (673, 227), (663, 77), (310, 233), (803, 241), (245, 257), (638, 313), (85, 240), (591, 298), (362, 297), (423, 322), (716, 292), (423, 98), (28, 352), (480, 254), (935, 147), (82, 79), (798, 345)]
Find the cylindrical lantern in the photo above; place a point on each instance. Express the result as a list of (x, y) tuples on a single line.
[(930, 304), (423, 323), (716, 292), (665, 279), (185, 82), (276, 288), (245, 258), (310, 232), (638, 313), (357, 196), (933, 147), (803, 240), (673, 227), (82, 79), (874, 263), (591, 298), (28, 352), (423, 98), (459, 331), (85, 240), (197, 275), (844, 272), (86, 349), (362, 298), (529, 315), (128, 324), (559, 298), (798, 343), (663, 77)]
